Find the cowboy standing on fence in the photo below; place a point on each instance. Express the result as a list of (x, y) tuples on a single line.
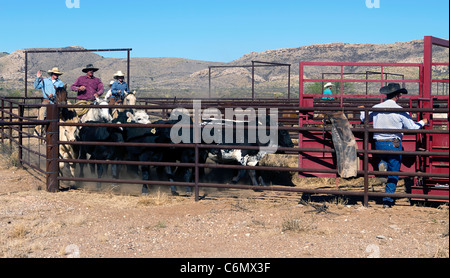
[(88, 87), (48, 86), (391, 141)]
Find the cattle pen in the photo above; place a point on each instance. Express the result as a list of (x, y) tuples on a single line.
[(426, 151)]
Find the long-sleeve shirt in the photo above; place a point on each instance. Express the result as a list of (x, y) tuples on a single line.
[(391, 120), (123, 87), (48, 86), (93, 86)]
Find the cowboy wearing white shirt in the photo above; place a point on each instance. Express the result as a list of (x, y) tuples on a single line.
[(391, 141)]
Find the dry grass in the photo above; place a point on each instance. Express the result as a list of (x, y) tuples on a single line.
[(18, 231), (10, 156), (297, 223), (157, 199)]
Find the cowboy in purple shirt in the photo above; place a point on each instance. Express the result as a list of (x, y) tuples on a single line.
[(88, 86)]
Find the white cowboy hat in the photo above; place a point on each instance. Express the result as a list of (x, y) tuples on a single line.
[(329, 84), (119, 73), (54, 70)]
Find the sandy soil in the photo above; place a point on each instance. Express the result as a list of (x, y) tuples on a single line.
[(225, 224)]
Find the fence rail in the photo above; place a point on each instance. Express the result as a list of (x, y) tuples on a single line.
[(18, 120)]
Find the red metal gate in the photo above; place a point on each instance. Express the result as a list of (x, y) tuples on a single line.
[(425, 151)]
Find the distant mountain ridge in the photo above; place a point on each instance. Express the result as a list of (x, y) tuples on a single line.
[(184, 77)]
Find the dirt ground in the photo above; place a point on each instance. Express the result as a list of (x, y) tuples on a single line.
[(225, 224)]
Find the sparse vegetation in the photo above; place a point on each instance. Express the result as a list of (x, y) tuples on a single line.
[(10, 156), (297, 223), (18, 231), (157, 198)]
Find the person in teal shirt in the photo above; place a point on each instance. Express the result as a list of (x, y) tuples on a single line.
[(328, 90)]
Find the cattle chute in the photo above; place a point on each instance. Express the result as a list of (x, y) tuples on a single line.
[(426, 158)]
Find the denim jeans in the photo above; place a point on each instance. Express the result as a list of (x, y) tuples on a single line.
[(393, 162)]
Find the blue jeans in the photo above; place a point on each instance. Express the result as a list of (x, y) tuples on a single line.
[(393, 163)]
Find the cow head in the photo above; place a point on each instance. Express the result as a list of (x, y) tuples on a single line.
[(140, 117), (284, 139), (104, 113), (69, 133)]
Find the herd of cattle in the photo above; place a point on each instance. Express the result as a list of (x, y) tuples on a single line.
[(147, 134)]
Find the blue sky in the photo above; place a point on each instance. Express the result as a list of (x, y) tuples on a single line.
[(215, 30)]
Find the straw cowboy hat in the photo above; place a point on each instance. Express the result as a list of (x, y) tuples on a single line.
[(392, 88), (119, 73), (329, 84), (89, 67), (54, 70)]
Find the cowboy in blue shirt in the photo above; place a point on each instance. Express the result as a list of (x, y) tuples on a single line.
[(119, 88), (391, 141), (48, 86)]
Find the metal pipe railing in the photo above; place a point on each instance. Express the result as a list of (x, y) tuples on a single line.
[(53, 143)]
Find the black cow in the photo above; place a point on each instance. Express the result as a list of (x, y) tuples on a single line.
[(101, 152), (180, 154), (155, 154)]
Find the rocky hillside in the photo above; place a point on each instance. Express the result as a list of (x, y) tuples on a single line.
[(183, 77), (146, 73)]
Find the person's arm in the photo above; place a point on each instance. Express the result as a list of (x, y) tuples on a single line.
[(362, 115), (100, 88), (75, 86), (38, 82), (409, 123), (114, 88)]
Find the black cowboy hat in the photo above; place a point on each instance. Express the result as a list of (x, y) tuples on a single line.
[(392, 88), (89, 67)]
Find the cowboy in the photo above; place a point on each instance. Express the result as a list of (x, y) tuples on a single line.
[(391, 141), (88, 86), (48, 86), (327, 90), (119, 88)]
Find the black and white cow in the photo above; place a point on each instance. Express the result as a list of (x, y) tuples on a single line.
[(247, 137)]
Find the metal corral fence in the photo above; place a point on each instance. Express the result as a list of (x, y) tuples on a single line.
[(18, 119)]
